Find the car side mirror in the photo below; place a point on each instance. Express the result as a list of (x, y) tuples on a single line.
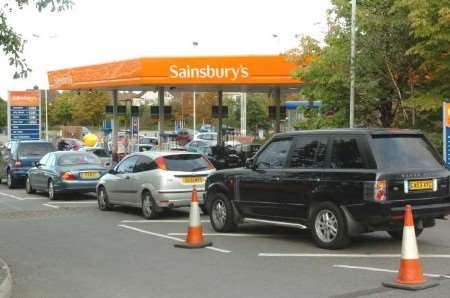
[(36, 164), (112, 171), (250, 163)]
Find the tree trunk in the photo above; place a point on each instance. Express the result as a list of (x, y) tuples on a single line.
[(386, 117)]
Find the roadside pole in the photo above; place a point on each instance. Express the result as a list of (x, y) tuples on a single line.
[(114, 128)]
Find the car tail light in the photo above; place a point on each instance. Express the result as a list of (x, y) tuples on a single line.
[(380, 194), (18, 164), (161, 163), (68, 176), (210, 165)]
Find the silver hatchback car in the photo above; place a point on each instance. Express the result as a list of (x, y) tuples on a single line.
[(153, 181)]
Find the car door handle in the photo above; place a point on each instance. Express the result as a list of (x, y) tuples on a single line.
[(276, 179)]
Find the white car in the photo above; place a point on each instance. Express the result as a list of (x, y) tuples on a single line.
[(154, 181)]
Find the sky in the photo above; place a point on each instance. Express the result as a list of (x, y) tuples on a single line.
[(97, 31)]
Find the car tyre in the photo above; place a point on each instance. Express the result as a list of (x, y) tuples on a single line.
[(148, 206), (221, 213), (28, 188), (10, 181), (51, 190), (103, 200), (328, 226), (398, 234)]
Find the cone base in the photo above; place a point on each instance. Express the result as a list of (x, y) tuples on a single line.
[(193, 246), (411, 287)]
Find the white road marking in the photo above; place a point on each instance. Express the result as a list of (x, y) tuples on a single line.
[(11, 196), (431, 256), (387, 270), (169, 237), (158, 221), (51, 206), (229, 234), (35, 198)]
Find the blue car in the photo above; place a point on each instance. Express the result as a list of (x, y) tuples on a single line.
[(18, 158), (65, 172)]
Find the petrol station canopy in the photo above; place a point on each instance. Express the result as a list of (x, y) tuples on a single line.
[(224, 73)]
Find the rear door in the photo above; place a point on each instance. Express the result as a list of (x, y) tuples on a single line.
[(143, 174), (260, 190), (300, 181)]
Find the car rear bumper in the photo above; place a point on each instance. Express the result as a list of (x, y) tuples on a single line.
[(20, 173), (177, 198), (373, 214), (76, 186)]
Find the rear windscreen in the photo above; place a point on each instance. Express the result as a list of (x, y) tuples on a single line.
[(35, 149), (404, 152), (78, 159), (100, 153), (186, 163)]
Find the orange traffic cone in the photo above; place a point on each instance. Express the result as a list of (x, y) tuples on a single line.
[(410, 275), (194, 237)]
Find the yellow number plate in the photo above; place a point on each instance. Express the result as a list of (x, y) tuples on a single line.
[(193, 180), (421, 185), (89, 175)]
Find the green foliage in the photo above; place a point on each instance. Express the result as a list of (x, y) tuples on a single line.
[(257, 116), (86, 108), (3, 113), (11, 42), (383, 71), (314, 119)]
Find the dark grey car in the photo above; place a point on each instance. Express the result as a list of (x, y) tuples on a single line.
[(65, 171)]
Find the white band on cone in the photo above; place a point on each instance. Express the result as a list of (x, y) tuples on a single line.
[(409, 244), (194, 215)]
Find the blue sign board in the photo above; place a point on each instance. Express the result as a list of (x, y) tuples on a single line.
[(25, 123), (446, 132)]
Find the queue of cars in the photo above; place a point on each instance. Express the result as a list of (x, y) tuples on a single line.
[(338, 183)]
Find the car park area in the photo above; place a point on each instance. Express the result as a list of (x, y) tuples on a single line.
[(69, 248)]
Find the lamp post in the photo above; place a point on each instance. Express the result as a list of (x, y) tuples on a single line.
[(194, 44), (352, 66)]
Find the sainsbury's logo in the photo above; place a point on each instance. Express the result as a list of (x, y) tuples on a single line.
[(209, 72)]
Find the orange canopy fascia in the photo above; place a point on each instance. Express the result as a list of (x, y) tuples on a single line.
[(217, 72)]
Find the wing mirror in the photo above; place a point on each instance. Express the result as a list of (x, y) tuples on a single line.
[(112, 171), (250, 163), (36, 164)]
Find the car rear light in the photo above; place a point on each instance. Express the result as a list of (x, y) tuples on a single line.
[(68, 176), (380, 194), (18, 164), (210, 165), (161, 163)]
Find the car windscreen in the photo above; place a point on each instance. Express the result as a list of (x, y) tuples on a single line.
[(148, 141), (186, 163), (78, 159), (404, 152), (34, 149)]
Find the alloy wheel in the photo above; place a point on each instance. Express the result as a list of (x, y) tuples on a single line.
[(51, 190), (147, 205), (326, 225), (219, 213), (101, 198)]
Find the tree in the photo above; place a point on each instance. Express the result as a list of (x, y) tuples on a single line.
[(90, 106), (384, 74), (11, 42), (61, 109), (3, 111)]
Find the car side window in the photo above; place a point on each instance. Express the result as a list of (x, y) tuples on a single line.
[(44, 159), (346, 154), (145, 164), (309, 152), (274, 156), (127, 165)]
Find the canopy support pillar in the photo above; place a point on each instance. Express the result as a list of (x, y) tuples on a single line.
[(115, 128), (277, 98), (161, 114), (220, 130)]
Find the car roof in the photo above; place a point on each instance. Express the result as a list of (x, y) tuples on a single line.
[(31, 141), (362, 131), (60, 153)]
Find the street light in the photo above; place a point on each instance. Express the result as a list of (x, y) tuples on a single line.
[(352, 66), (194, 44)]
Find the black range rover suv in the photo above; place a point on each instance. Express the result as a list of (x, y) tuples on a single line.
[(338, 183)]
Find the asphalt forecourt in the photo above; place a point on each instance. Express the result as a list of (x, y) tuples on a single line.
[(258, 259)]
